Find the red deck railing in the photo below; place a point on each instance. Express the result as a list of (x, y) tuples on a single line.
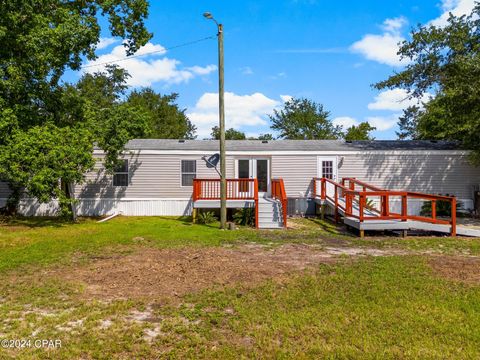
[(345, 194), (279, 193), (237, 189)]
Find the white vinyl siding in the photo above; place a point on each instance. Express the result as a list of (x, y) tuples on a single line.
[(296, 171), (436, 174), (152, 176)]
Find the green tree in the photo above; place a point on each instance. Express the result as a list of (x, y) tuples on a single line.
[(408, 123), (444, 61), (166, 120), (303, 119), (230, 134), (359, 132), (96, 101), (48, 128), (41, 156), (264, 137)]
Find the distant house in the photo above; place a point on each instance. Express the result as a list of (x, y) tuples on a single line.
[(172, 177)]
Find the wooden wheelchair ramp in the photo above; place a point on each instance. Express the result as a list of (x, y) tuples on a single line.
[(369, 208)]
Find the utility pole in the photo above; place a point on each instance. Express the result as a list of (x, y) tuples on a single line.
[(221, 114)]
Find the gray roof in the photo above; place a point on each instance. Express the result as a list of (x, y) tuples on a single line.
[(289, 145)]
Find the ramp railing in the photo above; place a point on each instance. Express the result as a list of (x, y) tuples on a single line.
[(357, 199), (279, 193)]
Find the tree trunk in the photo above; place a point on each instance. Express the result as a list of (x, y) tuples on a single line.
[(67, 189)]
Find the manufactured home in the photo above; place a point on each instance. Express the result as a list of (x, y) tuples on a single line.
[(174, 177)]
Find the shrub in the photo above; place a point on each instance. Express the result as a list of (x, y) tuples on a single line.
[(369, 204), (244, 216), (207, 217), (444, 208)]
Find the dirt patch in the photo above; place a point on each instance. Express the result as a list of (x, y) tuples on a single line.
[(171, 273), (175, 272), (459, 268)]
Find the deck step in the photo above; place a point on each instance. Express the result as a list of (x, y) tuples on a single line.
[(269, 214), (270, 225)]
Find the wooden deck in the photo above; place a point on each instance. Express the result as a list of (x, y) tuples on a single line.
[(350, 200), (243, 193)]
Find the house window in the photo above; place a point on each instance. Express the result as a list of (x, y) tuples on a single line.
[(120, 177), (189, 171), (327, 169)]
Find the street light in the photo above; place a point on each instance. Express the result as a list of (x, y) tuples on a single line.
[(221, 113)]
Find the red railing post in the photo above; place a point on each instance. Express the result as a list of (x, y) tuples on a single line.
[(361, 206), (336, 203), (404, 207), (284, 202), (453, 230), (434, 209), (324, 189), (195, 190), (349, 199), (385, 204)]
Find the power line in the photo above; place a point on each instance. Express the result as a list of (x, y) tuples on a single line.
[(151, 52)]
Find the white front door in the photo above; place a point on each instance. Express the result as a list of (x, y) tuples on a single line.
[(252, 168), (327, 167)]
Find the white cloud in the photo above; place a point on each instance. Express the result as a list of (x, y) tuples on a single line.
[(456, 7), (383, 123), (146, 70), (394, 25), (395, 100), (199, 70), (240, 110), (286, 98), (106, 42), (383, 48), (345, 121)]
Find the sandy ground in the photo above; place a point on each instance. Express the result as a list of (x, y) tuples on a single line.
[(171, 273)]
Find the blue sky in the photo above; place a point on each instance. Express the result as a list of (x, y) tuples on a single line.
[(330, 52)]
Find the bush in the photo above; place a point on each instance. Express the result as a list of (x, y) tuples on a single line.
[(370, 204), (245, 217), (444, 208), (206, 217)]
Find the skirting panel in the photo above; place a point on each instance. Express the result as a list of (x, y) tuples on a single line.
[(135, 207), (99, 207)]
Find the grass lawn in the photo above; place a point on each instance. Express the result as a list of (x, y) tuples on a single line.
[(395, 305)]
